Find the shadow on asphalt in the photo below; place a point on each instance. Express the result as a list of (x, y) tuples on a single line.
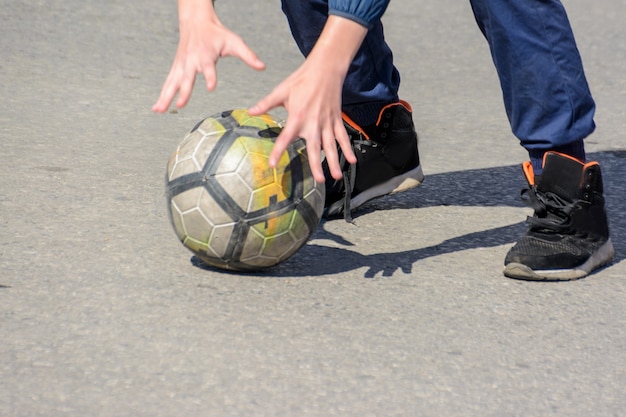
[(490, 187)]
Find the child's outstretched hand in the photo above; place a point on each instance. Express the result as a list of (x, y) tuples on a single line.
[(312, 97), (203, 41)]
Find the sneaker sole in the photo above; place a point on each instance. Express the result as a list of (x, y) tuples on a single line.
[(601, 257), (406, 181)]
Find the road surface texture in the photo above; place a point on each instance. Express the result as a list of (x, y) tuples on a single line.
[(405, 313)]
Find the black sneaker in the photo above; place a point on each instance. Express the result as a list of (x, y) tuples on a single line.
[(387, 161), (568, 236)]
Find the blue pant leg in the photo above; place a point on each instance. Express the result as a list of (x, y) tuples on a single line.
[(546, 95), (372, 80)]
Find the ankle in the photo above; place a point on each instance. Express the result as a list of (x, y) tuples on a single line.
[(365, 114), (574, 149)]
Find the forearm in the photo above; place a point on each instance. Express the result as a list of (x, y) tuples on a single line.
[(337, 45)]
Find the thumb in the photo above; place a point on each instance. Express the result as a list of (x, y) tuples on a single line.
[(266, 104), (253, 61), (242, 51)]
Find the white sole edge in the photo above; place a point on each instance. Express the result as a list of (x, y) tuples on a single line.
[(601, 257), (406, 181)]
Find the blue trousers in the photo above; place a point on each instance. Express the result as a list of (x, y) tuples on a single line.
[(546, 95)]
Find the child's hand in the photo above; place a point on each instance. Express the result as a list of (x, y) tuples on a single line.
[(312, 97), (203, 41)]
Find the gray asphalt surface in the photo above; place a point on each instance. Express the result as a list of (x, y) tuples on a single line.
[(406, 313)]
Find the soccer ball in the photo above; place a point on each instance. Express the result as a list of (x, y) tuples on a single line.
[(228, 206)]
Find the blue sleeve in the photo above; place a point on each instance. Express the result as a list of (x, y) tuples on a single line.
[(365, 12)]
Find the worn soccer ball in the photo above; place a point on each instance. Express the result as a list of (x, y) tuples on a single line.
[(228, 206)]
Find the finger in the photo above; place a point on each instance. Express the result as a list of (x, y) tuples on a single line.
[(329, 145), (270, 101), (344, 142), (281, 143), (186, 87), (242, 51), (252, 60), (314, 153), (315, 160), (170, 87), (210, 76), (287, 136)]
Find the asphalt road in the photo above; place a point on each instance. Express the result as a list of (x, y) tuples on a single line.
[(406, 313)]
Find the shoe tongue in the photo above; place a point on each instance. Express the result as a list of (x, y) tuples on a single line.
[(561, 175), (370, 131)]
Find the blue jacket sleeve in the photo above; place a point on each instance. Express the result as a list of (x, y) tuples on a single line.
[(365, 12)]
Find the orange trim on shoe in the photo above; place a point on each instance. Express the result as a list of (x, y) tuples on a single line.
[(527, 167), (399, 103), (353, 124), (584, 164)]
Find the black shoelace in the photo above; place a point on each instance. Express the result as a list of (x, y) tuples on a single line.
[(552, 213), (349, 175)]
